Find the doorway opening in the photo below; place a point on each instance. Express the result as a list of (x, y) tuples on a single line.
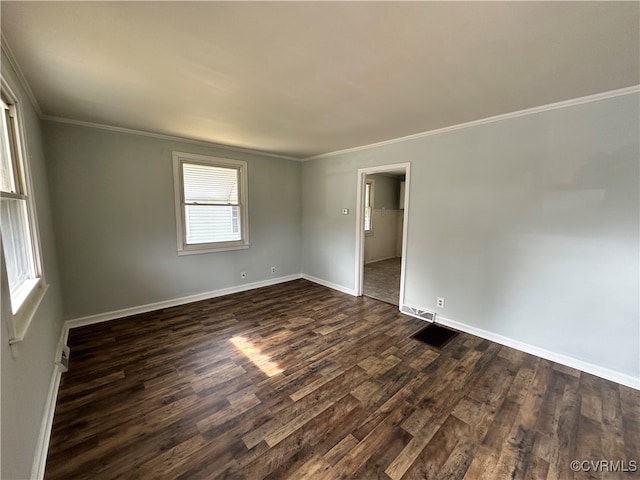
[(381, 234)]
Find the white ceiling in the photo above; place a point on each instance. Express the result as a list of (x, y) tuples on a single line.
[(305, 78)]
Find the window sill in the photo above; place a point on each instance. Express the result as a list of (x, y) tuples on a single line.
[(23, 293), (212, 250), (21, 320)]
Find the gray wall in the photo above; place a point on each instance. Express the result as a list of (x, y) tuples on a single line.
[(26, 379), (527, 226), (113, 202), (386, 191)]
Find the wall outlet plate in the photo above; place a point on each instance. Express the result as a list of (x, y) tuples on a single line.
[(63, 361), (440, 302)]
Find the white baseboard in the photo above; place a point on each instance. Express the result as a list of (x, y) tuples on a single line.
[(598, 371), (334, 286), (150, 307), (42, 446)]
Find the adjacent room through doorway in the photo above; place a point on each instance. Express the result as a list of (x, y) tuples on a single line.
[(382, 227)]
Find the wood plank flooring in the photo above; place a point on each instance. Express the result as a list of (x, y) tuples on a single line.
[(298, 381), (382, 280)]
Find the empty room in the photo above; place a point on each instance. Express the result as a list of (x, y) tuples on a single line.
[(323, 240)]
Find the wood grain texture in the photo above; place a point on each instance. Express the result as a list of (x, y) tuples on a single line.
[(299, 381), (381, 280)]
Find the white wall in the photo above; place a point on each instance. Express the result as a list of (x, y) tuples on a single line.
[(113, 204), (26, 378), (383, 242), (528, 226)]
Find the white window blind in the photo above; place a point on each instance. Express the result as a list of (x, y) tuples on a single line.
[(209, 224), (205, 184)]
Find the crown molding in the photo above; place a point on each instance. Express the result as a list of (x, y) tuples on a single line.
[(163, 136), (6, 49), (498, 118)]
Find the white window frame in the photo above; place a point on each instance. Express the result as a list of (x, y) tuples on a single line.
[(179, 158), (32, 292)]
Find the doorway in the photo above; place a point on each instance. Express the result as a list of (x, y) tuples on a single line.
[(382, 214)]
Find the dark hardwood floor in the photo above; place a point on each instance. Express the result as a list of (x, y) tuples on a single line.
[(299, 381)]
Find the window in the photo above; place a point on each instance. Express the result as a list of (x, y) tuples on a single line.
[(368, 206), (23, 284), (211, 203)]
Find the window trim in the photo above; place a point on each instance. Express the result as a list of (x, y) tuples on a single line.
[(18, 322), (178, 184), (372, 183)]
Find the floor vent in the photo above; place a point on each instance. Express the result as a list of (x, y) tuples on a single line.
[(416, 312), (435, 335)]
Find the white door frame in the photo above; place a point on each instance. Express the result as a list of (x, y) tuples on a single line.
[(362, 175)]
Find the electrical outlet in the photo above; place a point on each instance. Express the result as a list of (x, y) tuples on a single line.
[(440, 302), (273, 269), (243, 274), (63, 362)]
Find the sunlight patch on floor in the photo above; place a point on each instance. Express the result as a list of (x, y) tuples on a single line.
[(253, 353)]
